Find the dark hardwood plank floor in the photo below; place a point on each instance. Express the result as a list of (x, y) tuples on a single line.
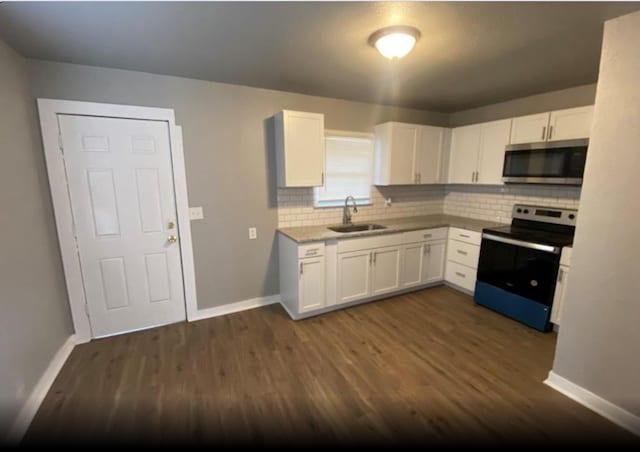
[(427, 366)]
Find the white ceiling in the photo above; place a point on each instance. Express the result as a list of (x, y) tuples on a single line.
[(470, 54)]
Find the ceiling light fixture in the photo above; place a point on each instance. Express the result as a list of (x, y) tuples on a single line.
[(396, 41)]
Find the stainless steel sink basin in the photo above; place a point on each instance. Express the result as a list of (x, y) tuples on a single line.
[(357, 227)]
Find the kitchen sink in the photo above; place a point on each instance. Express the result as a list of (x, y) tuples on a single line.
[(357, 227)]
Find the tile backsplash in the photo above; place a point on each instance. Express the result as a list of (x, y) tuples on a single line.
[(494, 203), (295, 205)]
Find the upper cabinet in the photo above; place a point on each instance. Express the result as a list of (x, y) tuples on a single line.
[(567, 124), (477, 153), (299, 139), (408, 154)]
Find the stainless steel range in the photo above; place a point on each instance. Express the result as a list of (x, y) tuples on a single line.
[(519, 263)]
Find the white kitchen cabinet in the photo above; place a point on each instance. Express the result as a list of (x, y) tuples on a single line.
[(529, 129), (413, 264), (302, 276), (570, 124), (353, 276), (312, 287), (408, 154), (477, 153), (434, 262), (300, 151), (567, 124), (463, 156), (559, 294), (385, 268)]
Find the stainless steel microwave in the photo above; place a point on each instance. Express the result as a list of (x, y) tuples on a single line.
[(557, 162)]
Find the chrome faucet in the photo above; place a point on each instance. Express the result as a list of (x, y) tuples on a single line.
[(346, 215)]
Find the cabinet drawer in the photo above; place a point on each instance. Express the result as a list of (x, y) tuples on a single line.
[(424, 235), (311, 250), (463, 253), (367, 243), (461, 275), (464, 235)]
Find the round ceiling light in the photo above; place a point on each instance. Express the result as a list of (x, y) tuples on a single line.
[(395, 41)]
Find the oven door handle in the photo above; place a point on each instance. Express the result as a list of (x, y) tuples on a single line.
[(533, 246)]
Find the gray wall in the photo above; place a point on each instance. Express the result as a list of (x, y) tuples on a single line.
[(228, 152), (553, 100), (34, 316), (599, 342)]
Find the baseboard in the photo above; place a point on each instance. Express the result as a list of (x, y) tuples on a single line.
[(604, 408), (33, 402), (234, 307)]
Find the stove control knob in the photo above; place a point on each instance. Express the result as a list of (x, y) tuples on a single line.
[(519, 210), (526, 210), (571, 216)]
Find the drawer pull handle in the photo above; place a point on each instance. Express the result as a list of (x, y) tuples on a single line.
[(465, 236), (311, 252), (427, 236), (464, 253), (462, 275)]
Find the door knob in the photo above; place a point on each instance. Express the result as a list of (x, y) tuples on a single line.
[(172, 239)]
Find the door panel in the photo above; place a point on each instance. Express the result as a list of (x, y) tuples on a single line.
[(529, 129), (494, 136), (353, 276), (429, 154), (386, 270), (121, 189), (570, 124), (434, 261), (312, 286), (412, 264), (403, 147), (463, 160)]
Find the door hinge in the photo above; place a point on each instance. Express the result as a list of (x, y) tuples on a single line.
[(86, 310), (60, 145)]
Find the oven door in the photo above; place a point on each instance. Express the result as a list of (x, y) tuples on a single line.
[(522, 268)]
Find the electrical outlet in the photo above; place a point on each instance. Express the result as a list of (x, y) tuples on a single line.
[(253, 234), (196, 213)]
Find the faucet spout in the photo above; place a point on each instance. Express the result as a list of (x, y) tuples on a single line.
[(346, 215)]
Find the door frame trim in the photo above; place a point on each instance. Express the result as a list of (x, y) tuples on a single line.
[(49, 109)]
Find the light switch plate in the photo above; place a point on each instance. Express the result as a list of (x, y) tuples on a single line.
[(196, 213), (253, 234)]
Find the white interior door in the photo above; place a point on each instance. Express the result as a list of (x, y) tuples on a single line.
[(122, 195)]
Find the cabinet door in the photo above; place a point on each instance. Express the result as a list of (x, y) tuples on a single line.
[(312, 286), (494, 136), (558, 296), (303, 149), (529, 129), (433, 269), (385, 270), (429, 154), (404, 138), (463, 159), (413, 264), (570, 124), (354, 278)]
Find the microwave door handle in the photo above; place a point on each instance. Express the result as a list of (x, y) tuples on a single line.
[(522, 243)]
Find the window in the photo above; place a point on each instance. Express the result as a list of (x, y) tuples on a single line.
[(348, 169)]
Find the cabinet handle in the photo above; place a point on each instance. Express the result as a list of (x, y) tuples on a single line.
[(427, 236), (428, 248), (465, 236), (477, 176), (544, 129), (550, 132), (311, 251), (323, 178), (301, 268), (424, 249), (560, 275), (473, 177), (464, 253), (374, 257), (462, 275)]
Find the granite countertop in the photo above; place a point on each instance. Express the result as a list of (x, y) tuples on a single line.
[(303, 234)]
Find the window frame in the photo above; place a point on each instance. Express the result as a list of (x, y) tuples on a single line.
[(359, 201)]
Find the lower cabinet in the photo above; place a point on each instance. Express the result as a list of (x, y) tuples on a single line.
[(311, 289), (463, 252), (561, 285), (316, 277)]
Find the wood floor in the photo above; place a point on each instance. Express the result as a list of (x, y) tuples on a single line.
[(425, 367)]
